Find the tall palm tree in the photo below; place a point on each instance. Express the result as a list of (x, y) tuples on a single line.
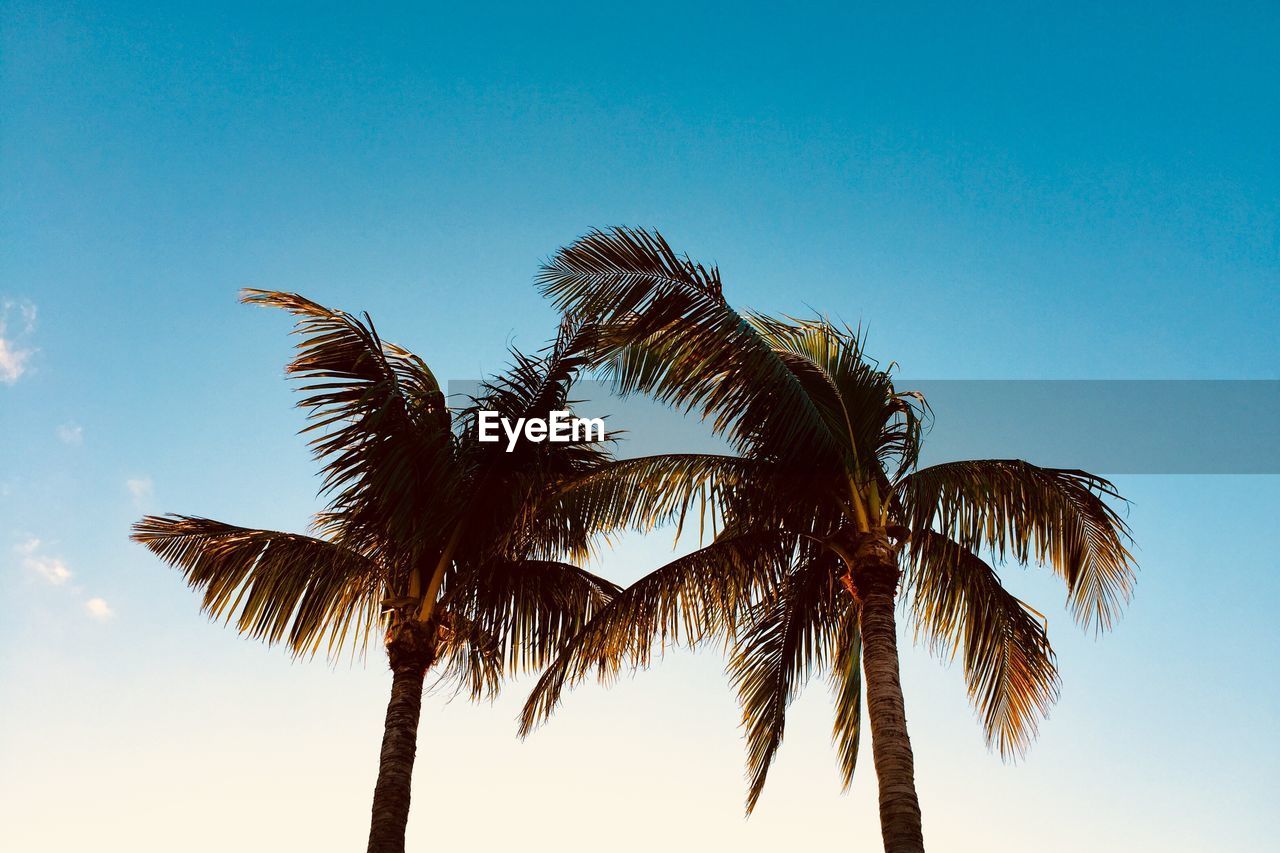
[(430, 535), (822, 521)]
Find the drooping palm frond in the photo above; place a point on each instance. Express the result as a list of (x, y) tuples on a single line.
[(959, 604), (1050, 515), (692, 598), (791, 633), (469, 657), (363, 368), (846, 688), (671, 334), (382, 427), (278, 587), (528, 607)]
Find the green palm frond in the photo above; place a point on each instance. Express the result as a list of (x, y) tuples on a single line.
[(1049, 515), (690, 599), (278, 587), (789, 635), (957, 601)]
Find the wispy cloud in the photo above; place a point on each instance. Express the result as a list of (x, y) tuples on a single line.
[(52, 569), (99, 609), (139, 487), (17, 323), (71, 433)]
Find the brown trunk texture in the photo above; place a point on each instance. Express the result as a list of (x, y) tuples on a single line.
[(411, 654), (875, 579)]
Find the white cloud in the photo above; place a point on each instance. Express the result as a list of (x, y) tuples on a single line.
[(71, 433), (13, 361), (139, 487), (55, 572), (14, 354), (99, 609), (51, 569)]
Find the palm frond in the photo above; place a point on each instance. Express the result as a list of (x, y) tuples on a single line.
[(879, 428), (790, 634), (382, 426), (529, 608), (536, 385), (469, 657), (278, 587), (1050, 515), (507, 512), (646, 492), (959, 604), (618, 270), (671, 334), (846, 688), (696, 596)]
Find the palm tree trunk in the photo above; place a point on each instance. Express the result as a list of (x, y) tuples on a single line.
[(395, 768), (876, 578), (411, 651)]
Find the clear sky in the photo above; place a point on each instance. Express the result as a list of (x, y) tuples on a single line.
[(1083, 191)]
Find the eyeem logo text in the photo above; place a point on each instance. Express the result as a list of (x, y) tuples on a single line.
[(561, 427)]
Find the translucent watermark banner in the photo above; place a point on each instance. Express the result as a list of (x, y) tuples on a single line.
[(1113, 426)]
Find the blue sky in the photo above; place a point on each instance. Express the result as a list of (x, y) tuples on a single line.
[(996, 191)]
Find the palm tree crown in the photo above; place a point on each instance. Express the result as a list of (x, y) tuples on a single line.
[(821, 520), (437, 539)]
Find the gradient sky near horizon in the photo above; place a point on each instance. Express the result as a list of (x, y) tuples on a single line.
[(1078, 191)]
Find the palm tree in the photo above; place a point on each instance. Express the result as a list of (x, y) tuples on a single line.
[(821, 521), (430, 535)]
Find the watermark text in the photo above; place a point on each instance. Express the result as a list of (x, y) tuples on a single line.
[(560, 427)]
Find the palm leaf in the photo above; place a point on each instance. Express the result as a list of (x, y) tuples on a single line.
[(381, 423), (1049, 515), (689, 599), (667, 331), (788, 636), (957, 601), (529, 608), (846, 687), (646, 492), (278, 587), (469, 657)]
